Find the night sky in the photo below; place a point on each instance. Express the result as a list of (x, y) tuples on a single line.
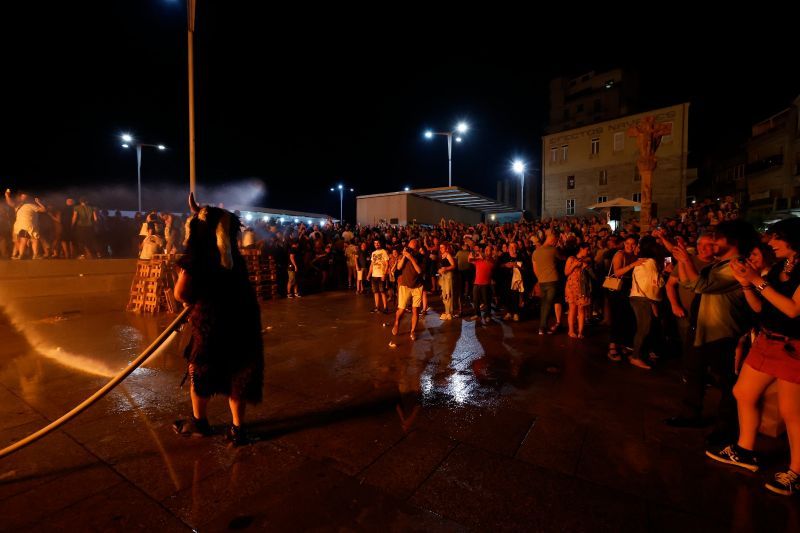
[(303, 101)]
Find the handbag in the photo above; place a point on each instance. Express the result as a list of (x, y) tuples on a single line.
[(612, 283)]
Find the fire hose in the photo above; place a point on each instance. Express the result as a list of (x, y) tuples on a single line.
[(108, 387)]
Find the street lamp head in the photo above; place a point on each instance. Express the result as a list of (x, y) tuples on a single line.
[(518, 166), (127, 137), (332, 189), (161, 147), (429, 134), (125, 145), (340, 187), (406, 188), (462, 127), (458, 139), (351, 189)]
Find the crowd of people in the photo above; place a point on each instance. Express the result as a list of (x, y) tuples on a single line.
[(702, 287), (33, 229)]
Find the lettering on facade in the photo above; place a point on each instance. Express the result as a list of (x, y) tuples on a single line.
[(666, 116)]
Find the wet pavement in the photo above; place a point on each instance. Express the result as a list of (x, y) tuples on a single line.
[(467, 428)]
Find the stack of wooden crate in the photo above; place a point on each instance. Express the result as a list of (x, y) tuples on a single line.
[(153, 285), (262, 273)]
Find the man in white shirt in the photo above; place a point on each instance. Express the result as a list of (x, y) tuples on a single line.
[(377, 270)]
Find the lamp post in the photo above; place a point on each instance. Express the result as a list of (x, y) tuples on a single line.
[(519, 167), (340, 187), (127, 141), (461, 128), (190, 16)]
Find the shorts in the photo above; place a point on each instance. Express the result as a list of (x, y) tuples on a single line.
[(376, 284), (404, 293), (780, 359), (292, 276), (23, 234), (360, 274)]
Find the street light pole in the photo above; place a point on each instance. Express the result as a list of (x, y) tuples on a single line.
[(341, 201), (519, 167), (450, 159), (127, 139), (461, 128), (190, 11), (139, 173)]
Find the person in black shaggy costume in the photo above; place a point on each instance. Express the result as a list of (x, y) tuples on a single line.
[(225, 351)]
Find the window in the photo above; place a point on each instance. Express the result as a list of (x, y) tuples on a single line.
[(601, 199), (636, 175), (596, 146), (571, 206), (564, 151), (570, 182), (619, 141), (603, 177), (667, 138), (553, 154), (637, 197)]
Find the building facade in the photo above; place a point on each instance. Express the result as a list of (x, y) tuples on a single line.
[(772, 172), (591, 97), (592, 164)]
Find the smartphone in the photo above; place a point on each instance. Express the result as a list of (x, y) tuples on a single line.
[(667, 261)]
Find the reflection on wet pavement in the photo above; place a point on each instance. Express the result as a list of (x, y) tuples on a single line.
[(467, 427)]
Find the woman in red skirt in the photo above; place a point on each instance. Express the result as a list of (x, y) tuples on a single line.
[(774, 356)]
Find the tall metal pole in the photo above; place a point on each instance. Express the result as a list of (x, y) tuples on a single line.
[(450, 159), (139, 172), (190, 5), (341, 205), (522, 194)]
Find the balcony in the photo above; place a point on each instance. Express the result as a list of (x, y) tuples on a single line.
[(764, 164)]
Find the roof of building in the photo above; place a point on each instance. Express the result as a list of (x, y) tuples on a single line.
[(455, 196)]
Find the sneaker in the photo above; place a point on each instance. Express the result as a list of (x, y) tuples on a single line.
[(541, 332), (613, 355), (290, 295), (375, 310), (193, 427), (385, 311), (785, 483), (507, 316), (735, 455)]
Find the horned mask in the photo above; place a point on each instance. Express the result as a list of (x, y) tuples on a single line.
[(221, 219)]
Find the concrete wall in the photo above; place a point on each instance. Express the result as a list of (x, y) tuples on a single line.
[(374, 209), (28, 278), (426, 211), (408, 208)]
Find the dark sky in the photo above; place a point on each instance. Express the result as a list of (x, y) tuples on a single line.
[(302, 101)]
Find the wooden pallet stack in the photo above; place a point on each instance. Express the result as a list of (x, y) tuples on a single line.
[(262, 272), (153, 285)]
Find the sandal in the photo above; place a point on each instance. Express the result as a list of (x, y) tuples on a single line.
[(413, 336), (192, 427)]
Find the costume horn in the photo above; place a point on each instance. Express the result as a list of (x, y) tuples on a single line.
[(193, 204), (224, 241)]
